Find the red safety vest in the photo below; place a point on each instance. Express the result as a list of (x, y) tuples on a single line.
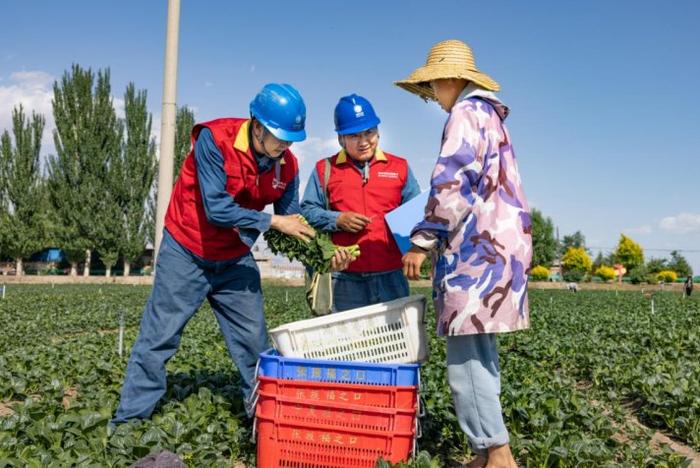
[(186, 219), (381, 194)]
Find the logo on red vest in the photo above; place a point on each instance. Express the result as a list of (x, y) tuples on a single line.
[(278, 184), (388, 175)]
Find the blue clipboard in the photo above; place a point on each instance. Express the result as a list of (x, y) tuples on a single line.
[(402, 219)]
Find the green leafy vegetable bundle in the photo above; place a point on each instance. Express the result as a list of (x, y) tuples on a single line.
[(315, 254)]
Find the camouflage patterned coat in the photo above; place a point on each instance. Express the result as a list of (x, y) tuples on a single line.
[(477, 223)]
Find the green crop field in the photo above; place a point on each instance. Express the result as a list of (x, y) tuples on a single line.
[(575, 386)]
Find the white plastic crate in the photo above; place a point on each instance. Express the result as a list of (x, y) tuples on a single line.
[(389, 332)]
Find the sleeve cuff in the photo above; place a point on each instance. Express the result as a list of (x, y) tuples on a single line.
[(425, 240), (333, 220), (265, 221), (248, 236)]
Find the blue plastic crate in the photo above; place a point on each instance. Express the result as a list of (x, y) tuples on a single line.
[(273, 365)]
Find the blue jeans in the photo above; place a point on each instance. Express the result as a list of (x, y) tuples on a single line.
[(183, 280), (352, 290), (475, 379)]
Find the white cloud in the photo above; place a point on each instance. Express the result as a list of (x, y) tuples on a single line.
[(36, 79), (118, 104), (683, 223), (314, 148), (208, 84), (32, 89), (639, 230), (308, 152)]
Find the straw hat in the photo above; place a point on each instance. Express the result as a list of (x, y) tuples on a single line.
[(447, 59)]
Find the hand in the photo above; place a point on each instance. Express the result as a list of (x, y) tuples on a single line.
[(293, 225), (341, 260), (349, 221), (412, 262)]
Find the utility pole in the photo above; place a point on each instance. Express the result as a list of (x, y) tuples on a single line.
[(167, 128), (561, 270)]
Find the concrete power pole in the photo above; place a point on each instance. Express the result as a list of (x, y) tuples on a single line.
[(561, 270), (167, 127)]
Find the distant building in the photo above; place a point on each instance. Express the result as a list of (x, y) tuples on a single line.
[(49, 255), (555, 273), (275, 266)]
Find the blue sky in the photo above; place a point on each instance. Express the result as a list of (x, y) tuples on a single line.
[(605, 112)]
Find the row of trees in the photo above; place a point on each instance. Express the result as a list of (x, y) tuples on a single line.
[(577, 264), (97, 192)]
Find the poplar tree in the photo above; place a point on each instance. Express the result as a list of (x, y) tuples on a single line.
[(184, 121), (544, 244), (134, 173), (87, 139), (23, 216)]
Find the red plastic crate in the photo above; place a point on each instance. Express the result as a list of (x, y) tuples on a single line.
[(282, 444), (335, 414), (382, 396)]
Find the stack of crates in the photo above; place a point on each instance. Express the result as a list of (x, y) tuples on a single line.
[(314, 413)]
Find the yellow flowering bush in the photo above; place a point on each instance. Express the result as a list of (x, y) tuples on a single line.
[(539, 273), (605, 273), (667, 276)]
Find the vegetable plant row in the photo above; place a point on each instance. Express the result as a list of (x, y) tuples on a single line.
[(591, 361)]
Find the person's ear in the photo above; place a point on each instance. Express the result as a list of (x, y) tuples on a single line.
[(257, 130)]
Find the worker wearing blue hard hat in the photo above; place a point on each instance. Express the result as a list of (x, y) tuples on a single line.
[(280, 110), (354, 114), (237, 166), (349, 194)]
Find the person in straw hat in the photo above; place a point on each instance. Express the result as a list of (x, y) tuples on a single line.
[(477, 230)]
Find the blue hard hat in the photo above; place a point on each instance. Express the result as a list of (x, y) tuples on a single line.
[(354, 114), (281, 109)]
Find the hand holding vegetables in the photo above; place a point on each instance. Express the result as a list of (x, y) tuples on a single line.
[(341, 260), (293, 225), (318, 253)]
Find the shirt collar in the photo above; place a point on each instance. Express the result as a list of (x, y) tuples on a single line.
[(242, 141), (474, 91), (343, 156)]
